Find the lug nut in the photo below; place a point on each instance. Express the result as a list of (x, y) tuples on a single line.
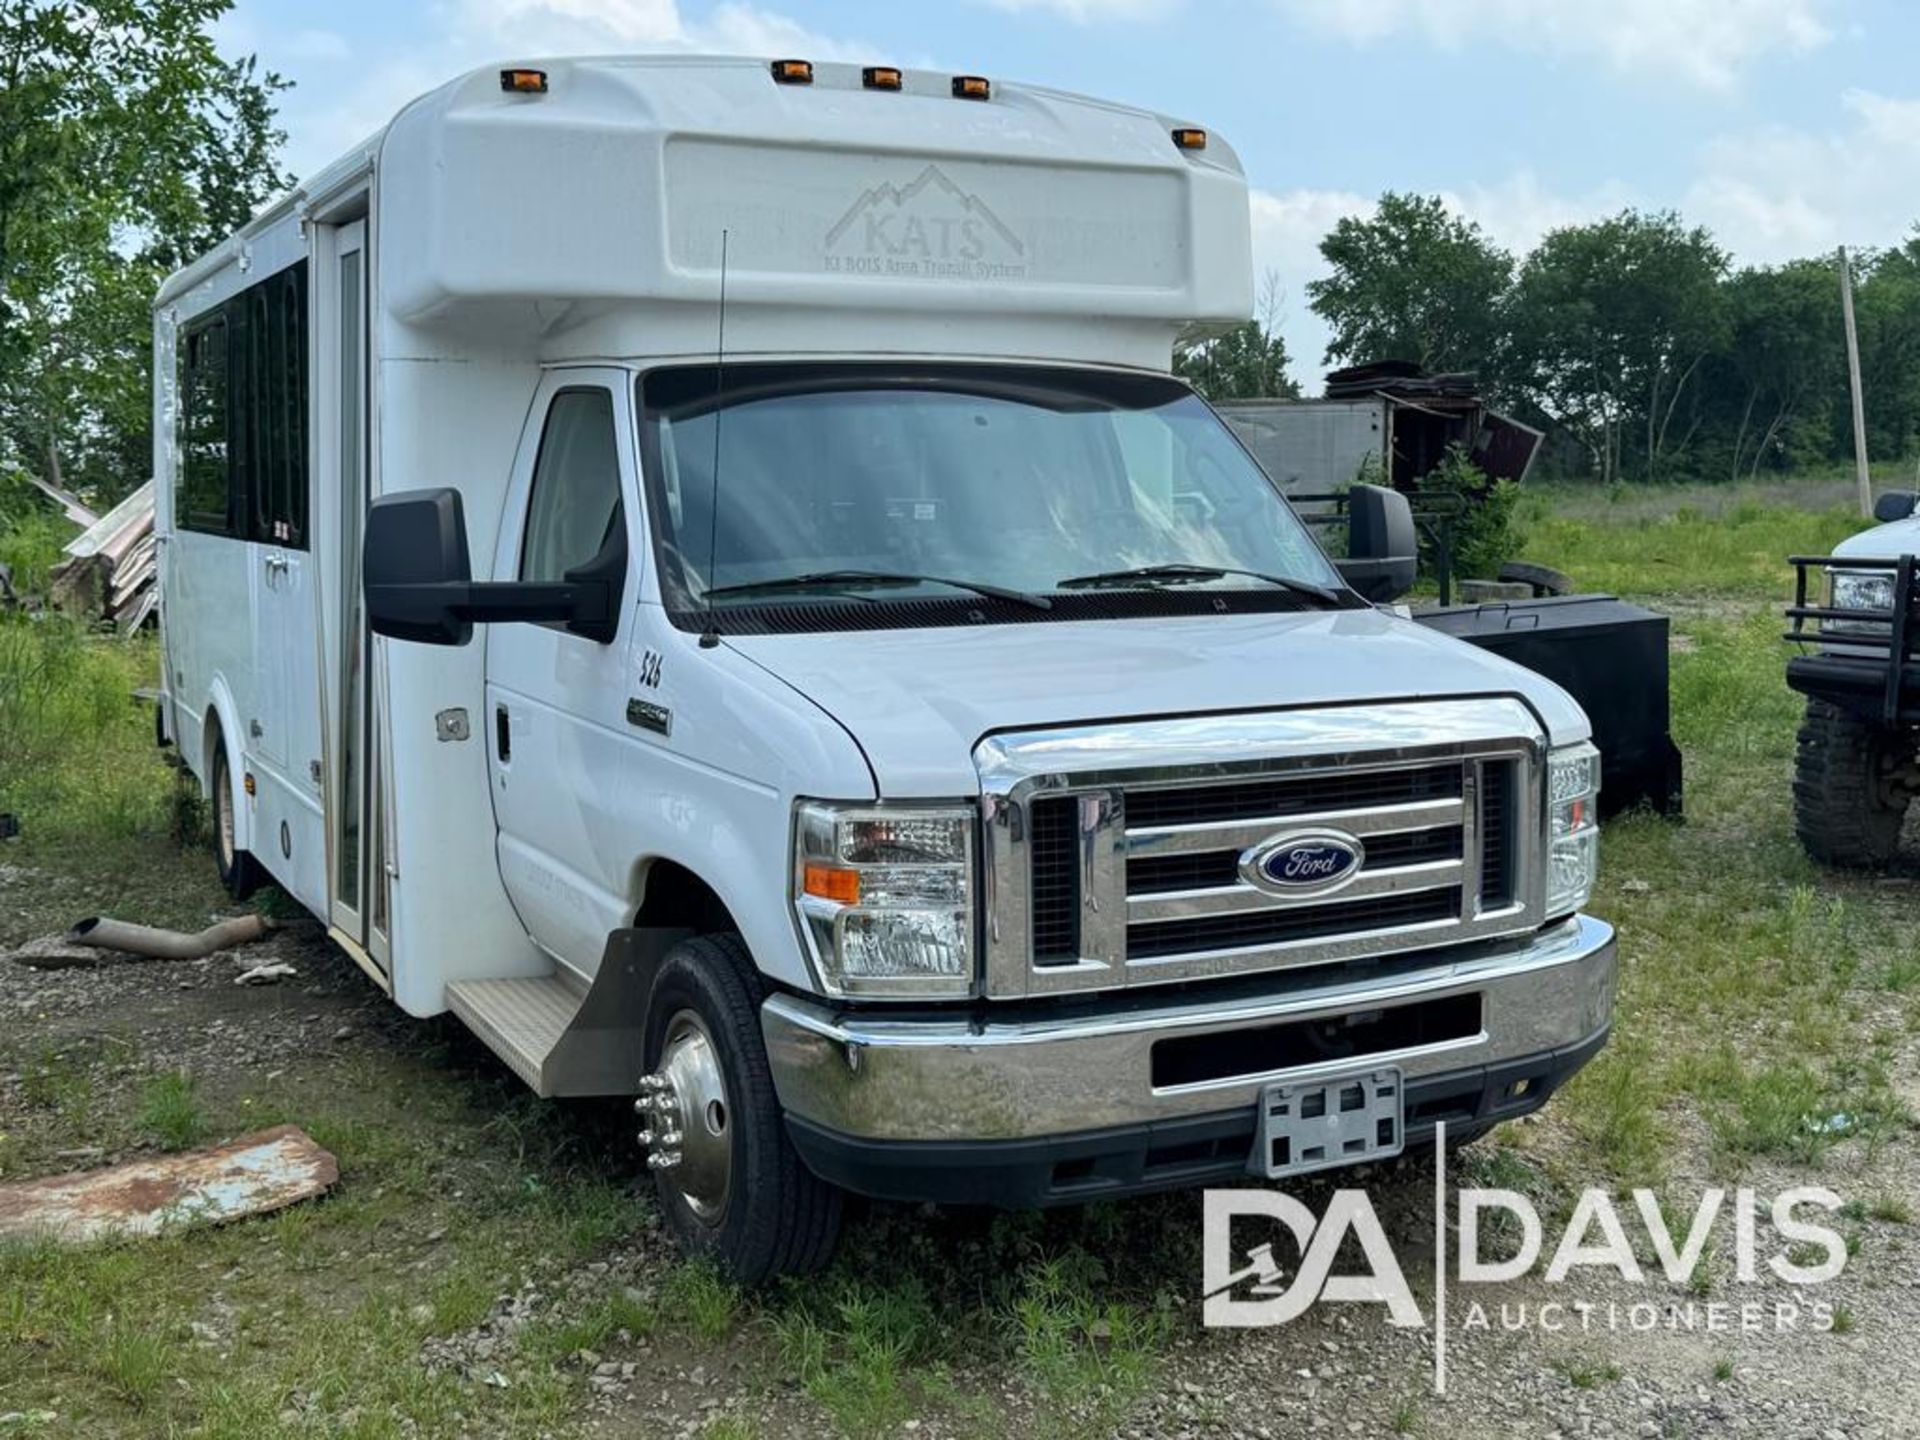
[(661, 1160), (645, 1137)]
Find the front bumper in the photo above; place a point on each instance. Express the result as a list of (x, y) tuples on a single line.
[(849, 1079), (1863, 682)]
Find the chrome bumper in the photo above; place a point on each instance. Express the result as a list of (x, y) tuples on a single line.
[(877, 1077)]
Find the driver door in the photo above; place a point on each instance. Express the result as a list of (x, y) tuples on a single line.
[(556, 701)]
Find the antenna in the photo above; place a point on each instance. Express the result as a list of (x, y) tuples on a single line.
[(710, 637)]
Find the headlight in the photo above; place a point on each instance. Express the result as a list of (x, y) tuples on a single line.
[(1860, 590), (885, 898), (1573, 831)]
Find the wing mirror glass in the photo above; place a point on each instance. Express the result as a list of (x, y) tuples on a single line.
[(420, 582), (1894, 505), (1383, 549)]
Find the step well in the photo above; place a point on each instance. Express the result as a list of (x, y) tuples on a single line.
[(522, 1021)]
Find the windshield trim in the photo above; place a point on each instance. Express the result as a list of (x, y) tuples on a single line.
[(703, 387)]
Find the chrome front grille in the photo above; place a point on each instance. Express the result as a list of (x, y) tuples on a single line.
[(1103, 873)]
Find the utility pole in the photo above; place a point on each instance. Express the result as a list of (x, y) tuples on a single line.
[(1853, 377)]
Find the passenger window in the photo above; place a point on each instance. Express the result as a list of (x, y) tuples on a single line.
[(243, 409), (575, 505), (204, 500)]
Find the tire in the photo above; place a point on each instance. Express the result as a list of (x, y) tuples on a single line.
[(775, 1217), (240, 873), (1850, 794), (1544, 579)]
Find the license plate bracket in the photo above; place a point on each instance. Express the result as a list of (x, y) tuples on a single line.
[(1321, 1124)]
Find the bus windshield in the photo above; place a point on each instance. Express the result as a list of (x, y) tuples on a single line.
[(884, 482)]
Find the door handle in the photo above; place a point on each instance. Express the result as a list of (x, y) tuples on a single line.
[(502, 734), (277, 565)]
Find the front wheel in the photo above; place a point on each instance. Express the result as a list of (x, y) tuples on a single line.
[(731, 1186), (1851, 787)]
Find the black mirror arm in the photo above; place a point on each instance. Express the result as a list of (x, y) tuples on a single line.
[(585, 605)]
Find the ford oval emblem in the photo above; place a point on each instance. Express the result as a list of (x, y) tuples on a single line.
[(1303, 864)]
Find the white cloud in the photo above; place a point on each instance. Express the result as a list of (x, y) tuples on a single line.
[(324, 118), (1082, 11), (1780, 193), (1704, 42)]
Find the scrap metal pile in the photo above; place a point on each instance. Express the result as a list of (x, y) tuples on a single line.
[(111, 568)]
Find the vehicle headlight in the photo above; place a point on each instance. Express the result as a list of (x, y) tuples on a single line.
[(885, 897), (1573, 828), (1860, 590)]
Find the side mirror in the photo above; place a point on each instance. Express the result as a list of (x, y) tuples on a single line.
[(1383, 549), (420, 583), (1894, 505)]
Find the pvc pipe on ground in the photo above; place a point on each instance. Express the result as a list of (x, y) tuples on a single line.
[(104, 934)]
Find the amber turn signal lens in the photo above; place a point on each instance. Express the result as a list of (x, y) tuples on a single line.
[(881, 77), (1189, 139), (524, 82), (829, 882), (793, 72), (972, 87)]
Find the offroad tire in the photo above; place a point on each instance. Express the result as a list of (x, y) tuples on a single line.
[(1849, 792), (768, 1215), (240, 873)]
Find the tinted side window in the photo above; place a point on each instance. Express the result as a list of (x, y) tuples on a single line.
[(243, 389), (575, 505), (204, 499)]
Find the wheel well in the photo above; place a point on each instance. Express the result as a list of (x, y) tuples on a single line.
[(673, 896), (213, 738)]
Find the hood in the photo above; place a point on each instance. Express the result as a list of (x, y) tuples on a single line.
[(1884, 542), (917, 701)]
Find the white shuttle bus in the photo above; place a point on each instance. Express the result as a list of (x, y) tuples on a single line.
[(700, 568)]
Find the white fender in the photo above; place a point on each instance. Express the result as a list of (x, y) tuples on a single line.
[(227, 714)]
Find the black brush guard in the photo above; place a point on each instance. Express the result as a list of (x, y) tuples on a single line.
[(1875, 675)]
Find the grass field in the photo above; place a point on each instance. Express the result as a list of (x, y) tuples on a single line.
[(1757, 992)]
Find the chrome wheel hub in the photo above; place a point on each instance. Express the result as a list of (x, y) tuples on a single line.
[(687, 1118)]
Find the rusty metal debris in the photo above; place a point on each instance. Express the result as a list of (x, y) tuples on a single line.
[(253, 1175), (111, 567)]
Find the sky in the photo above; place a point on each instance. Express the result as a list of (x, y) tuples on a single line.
[(1786, 126)]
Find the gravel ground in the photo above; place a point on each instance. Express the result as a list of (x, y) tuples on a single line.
[(1339, 1370)]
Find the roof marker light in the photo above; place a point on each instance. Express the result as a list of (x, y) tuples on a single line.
[(793, 72), (972, 87), (881, 77), (1188, 138), (524, 82)]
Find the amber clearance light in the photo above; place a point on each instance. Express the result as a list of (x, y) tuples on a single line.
[(524, 82), (793, 72), (830, 882)]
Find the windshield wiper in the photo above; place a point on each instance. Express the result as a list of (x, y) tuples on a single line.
[(1149, 575), (850, 580)]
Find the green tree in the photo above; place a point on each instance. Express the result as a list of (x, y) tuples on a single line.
[(1887, 310), (1248, 362), (1609, 325), (127, 146), (1785, 360), (1413, 281)]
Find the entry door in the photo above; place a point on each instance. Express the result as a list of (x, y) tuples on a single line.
[(556, 722), (356, 845), (283, 629)]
